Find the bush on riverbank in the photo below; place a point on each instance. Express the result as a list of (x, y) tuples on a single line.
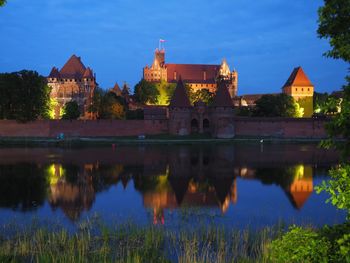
[(328, 244)]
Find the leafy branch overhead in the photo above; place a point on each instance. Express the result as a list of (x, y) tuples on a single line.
[(334, 25)]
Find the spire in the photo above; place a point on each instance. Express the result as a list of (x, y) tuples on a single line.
[(88, 74), (222, 97), (298, 78), (55, 74), (180, 98), (73, 68)]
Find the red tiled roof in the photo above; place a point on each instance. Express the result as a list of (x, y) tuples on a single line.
[(298, 78), (222, 97), (54, 73), (193, 72), (180, 98), (88, 73), (73, 68)]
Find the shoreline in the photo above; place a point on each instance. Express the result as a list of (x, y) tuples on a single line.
[(149, 140)]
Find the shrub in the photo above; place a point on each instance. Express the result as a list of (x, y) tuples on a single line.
[(300, 245)]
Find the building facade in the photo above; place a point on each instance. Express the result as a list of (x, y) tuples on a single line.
[(185, 119), (197, 76), (74, 82)]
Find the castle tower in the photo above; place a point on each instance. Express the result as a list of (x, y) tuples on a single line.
[(73, 82), (231, 78), (160, 57), (301, 89), (157, 71), (180, 110), (222, 113)]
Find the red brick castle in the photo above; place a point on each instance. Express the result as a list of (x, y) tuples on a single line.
[(73, 82), (197, 76)]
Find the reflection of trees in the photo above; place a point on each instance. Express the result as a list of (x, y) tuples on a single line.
[(22, 186)]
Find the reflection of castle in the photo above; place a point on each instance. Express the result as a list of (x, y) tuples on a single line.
[(195, 75), (301, 188), (185, 192), (296, 181), (72, 197)]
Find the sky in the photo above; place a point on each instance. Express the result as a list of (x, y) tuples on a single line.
[(262, 40)]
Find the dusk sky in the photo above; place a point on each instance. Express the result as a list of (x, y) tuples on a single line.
[(263, 40)]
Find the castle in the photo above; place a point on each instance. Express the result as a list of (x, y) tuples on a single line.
[(197, 76), (217, 119), (73, 82)]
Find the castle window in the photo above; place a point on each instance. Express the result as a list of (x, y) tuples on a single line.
[(308, 89), (175, 75), (204, 75), (302, 89), (296, 89)]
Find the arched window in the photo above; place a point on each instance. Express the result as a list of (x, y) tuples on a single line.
[(194, 126), (206, 125)]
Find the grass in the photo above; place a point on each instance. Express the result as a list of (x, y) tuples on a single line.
[(96, 242)]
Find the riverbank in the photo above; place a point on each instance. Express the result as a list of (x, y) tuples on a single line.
[(134, 140), (95, 242)]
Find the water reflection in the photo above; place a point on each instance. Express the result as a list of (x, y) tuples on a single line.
[(166, 177)]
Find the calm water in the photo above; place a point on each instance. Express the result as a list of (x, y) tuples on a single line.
[(236, 185)]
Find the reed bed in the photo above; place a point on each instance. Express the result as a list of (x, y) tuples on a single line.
[(97, 242)]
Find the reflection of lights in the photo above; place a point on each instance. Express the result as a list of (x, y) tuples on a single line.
[(55, 172), (244, 171), (299, 172)]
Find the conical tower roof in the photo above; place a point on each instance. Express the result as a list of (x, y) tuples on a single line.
[(116, 89), (88, 73), (54, 73), (222, 97), (298, 78), (180, 98), (73, 68)]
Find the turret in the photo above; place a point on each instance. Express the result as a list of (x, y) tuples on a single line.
[(222, 112), (180, 111)]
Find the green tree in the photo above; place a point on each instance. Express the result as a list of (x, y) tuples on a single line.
[(280, 105), (334, 25), (2, 2), (146, 92), (165, 92), (24, 96), (112, 107), (96, 104), (203, 94), (71, 111)]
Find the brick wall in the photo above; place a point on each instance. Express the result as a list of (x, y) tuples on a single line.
[(254, 127), (280, 127), (104, 128)]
